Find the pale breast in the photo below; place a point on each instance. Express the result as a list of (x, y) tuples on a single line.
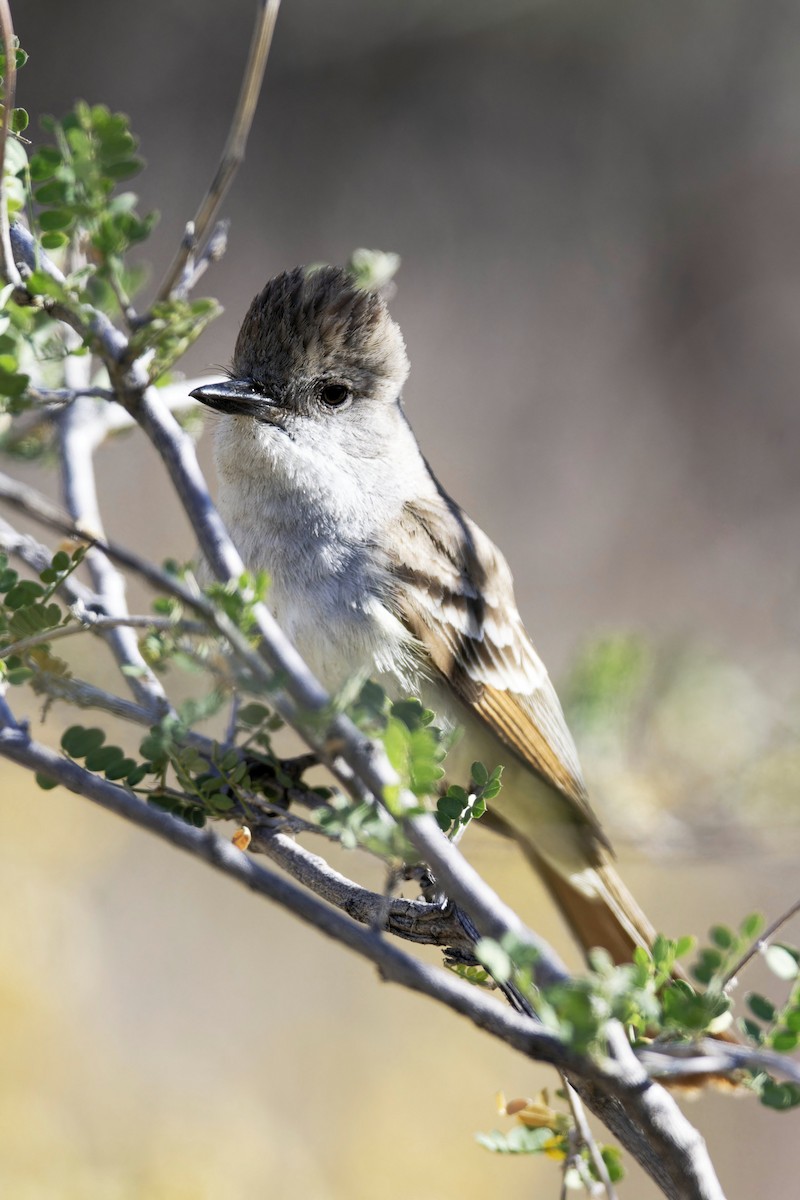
[(327, 596)]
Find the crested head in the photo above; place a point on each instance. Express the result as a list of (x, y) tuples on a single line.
[(317, 324)]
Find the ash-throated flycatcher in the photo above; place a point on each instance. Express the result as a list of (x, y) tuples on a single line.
[(374, 569)]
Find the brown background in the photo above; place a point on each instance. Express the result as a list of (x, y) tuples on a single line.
[(597, 210)]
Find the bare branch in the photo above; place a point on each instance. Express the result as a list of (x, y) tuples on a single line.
[(88, 622), (414, 920), (672, 1152), (79, 431), (395, 965), (709, 1057), (195, 268), (7, 264), (87, 695), (643, 1115), (233, 153), (38, 557), (587, 1138), (93, 327)]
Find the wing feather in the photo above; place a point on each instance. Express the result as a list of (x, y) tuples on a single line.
[(454, 592)]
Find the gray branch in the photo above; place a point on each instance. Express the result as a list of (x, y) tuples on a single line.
[(178, 278), (649, 1123), (641, 1113), (80, 432), (644, 1116)]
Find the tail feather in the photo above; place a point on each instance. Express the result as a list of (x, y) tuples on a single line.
[(611, 919)]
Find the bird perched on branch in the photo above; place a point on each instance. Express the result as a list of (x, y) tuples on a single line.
[(375, 569)]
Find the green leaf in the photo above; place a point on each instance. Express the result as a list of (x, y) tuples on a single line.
[(691, 1010), (492, 789), (44, 162), (761, 1007), (78, 741), (56, 218), (396, 742), (19, 120), (780, 1096), (103, 758), (253, 714), (753, 1031), (519, 1140), (16, 158), (53, 192), (19, 675), (39, 283), (613, 1159), (707, 966), (450, 807), (45, 782), (495, 959), (123, 169), (121, 769), (785, 1041), (220, 802), (13, 383), (684, 945), (782, 961), (410, 712), (54, 240), (479, 774), (722, 936), (751, 926)]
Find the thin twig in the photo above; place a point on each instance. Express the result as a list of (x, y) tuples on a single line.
[(87, 695), (230, 732), (233, 153), (709, 1057), (195, 268), (38, 558), (88, 622), (59, 396), (7, 265), (670, 1150), (79, 432), (587, 1138), (93, 327), (394, 964), (760, 943), (360, 766), (359, 761), (659, 1135)]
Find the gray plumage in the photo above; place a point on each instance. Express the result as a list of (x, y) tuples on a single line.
[(376, 570)]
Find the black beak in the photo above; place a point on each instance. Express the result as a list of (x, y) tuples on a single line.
[(239, 397)]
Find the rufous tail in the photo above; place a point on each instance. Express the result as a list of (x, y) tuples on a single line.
[(611, 919)]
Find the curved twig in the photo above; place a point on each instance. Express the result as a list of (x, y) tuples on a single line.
[(87, 622), (232, 154), (760, 943), (7, 264)]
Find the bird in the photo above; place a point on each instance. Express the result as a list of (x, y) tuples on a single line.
[(375, 570)]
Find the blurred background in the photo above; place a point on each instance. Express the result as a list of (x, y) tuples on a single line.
[(597, 212)]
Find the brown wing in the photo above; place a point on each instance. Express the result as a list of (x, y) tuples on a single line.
[(455, 594)]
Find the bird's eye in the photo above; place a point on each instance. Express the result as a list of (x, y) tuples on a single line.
[(335, 395)]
